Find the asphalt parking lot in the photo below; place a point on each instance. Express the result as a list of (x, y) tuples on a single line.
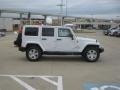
[(75, 72)]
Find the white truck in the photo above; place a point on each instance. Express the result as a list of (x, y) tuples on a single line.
[(38, 40)]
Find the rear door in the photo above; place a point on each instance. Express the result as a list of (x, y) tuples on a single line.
[(48, 38)]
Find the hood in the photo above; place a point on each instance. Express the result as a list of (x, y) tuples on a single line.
[(86, 39)]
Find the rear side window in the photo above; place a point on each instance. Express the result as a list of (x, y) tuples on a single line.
[(31, 31), (47, 31)]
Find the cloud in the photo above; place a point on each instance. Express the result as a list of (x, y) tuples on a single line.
[(75, 7), (98, 7)]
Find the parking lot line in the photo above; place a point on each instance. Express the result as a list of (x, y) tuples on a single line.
[(58, 84), (28, 87), (50, 81)]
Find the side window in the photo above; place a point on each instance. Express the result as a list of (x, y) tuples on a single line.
[(31, 31), (48, 32), (62, 32)]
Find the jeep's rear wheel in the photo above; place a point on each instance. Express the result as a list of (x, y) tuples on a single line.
[(33, 53), (91, 54)]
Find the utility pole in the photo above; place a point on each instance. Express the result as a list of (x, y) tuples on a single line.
[(0, 13), (29, 18), (21, 24), (45, 18), (61, 11), (66, 7)]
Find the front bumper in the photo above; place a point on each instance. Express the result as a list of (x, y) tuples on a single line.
[(101, 49)]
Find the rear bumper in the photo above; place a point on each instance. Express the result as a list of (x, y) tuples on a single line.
[(101, 49), (15, 43)]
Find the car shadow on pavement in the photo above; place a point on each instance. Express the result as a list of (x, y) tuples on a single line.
[(47, 58), (62, 58), (57, 58)]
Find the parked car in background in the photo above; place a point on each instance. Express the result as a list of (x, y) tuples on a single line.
[(113, 32), (117, 33), (2, 32), (106, 32)]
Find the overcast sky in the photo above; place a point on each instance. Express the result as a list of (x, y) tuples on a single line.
[(93, 8)]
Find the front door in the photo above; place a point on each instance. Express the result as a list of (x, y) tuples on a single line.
[(64, 42)]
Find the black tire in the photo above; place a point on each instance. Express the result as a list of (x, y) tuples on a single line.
[(37, 56), (92, 50)]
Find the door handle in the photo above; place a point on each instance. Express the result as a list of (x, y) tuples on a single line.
[(59, 39), (44, 39)]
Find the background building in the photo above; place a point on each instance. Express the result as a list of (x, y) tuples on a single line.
[(12, 24)]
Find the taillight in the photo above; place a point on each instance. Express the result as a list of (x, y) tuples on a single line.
[(20, 31)]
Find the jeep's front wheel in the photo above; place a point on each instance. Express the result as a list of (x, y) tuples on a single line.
[(33, 53), (91, 54)]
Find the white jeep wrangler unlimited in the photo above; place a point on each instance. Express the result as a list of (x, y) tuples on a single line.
[(56, 40)]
